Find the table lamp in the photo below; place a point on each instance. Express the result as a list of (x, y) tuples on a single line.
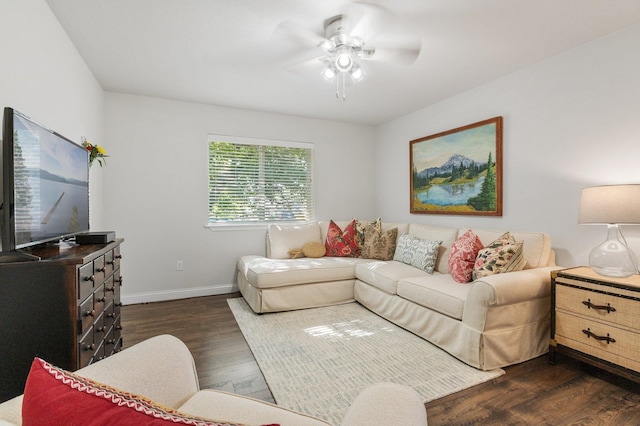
[(611, 205)]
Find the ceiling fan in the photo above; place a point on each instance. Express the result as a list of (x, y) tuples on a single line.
[(347, 39)]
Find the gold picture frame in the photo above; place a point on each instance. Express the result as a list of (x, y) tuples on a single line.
[(458, 172)]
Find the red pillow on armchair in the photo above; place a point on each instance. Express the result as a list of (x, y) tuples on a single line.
[(53, 396)]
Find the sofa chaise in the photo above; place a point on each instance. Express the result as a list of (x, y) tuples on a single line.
[(162, 370), (494, 321)]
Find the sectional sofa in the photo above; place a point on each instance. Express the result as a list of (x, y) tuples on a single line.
[(493, 321)]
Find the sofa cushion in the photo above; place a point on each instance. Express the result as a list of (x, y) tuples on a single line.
[(437, 233), (281, 238), (438, 292), (379, 245), (55, 396), (417, 252), (385, 275), (463, 256), (342, 243), (262, 273), (500, 256), (245, 410)]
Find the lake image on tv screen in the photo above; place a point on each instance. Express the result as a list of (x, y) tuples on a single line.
[(51, 185)]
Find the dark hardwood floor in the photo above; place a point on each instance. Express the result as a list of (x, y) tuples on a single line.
[(531, 393)]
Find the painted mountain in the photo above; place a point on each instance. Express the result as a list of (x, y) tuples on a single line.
[(456, 160)]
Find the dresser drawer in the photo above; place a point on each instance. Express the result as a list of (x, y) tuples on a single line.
[(602, 307), (86, 349), (85, 280), (599, 339)]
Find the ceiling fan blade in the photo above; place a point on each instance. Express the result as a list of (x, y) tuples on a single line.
[(295, 32), (405, 56), (365, 20), (306, 65)]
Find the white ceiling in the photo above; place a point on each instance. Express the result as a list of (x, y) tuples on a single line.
[(224, 52)]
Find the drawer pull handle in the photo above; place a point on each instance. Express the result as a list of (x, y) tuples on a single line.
[(590, 305), (595, 336), (101, 269), (110, 262), (118, 256), (89, 278)]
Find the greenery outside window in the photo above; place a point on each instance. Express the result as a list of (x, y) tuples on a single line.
[(254, 181)]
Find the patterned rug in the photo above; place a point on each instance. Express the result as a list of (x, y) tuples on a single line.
[(317, 361)]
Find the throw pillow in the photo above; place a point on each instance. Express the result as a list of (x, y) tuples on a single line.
[(314, 249), (379, 245), (417, 252), (361, 228), (463, 256), (341, 243), (502, 255), (55, 396)]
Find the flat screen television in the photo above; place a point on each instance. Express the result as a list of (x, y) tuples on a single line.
[(45, 184)]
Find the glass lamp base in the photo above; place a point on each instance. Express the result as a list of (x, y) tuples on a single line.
[(612, 258)]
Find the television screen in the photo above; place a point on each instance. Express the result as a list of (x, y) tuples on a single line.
[(49, 195)]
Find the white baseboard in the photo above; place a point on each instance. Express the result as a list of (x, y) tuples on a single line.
[(183, 293)]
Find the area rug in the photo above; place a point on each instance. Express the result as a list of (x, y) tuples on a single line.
[(316, 361)]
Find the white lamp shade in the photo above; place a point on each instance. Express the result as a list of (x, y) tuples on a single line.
[(619, 204)]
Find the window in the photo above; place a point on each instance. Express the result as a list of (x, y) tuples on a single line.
[(254, 181)]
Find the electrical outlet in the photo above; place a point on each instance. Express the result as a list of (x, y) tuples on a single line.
[(179, 265)]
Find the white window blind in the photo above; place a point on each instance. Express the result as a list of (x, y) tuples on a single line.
[(253, 181)]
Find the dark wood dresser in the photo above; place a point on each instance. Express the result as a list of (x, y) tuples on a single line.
[(64, 309)]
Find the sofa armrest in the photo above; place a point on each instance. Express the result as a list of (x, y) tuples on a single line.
[(387, 404), (505, 289), (160, 368)]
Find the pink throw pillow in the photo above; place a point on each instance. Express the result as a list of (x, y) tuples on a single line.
[(463, 256)]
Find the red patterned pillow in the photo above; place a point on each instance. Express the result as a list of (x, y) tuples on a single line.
[(53, 396), (341, 243), (463, 256)]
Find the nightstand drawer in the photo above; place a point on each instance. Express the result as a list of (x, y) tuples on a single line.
[(598, 339), (602, 307)]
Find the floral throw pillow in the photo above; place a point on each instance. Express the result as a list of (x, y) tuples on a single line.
[(463, 256), (417, 252), (502, 255), (341, 243), (379, 245), (361, 228)]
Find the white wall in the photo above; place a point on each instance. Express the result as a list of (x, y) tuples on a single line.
[(156, 188), (570, 122), (43, 76)]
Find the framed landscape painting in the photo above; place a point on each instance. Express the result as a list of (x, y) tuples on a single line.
[(459, 171)]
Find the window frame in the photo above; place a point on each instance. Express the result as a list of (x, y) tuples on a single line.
[(261, 223)]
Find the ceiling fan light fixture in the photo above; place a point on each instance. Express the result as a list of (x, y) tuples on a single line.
[(329, 73), (357, 73), (344, 62)]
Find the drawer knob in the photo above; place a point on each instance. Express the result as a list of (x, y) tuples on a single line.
[(89, 347), (607, 338), (90, 313), (101, 269), (89, 278), (118, 256), (590, 305)]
